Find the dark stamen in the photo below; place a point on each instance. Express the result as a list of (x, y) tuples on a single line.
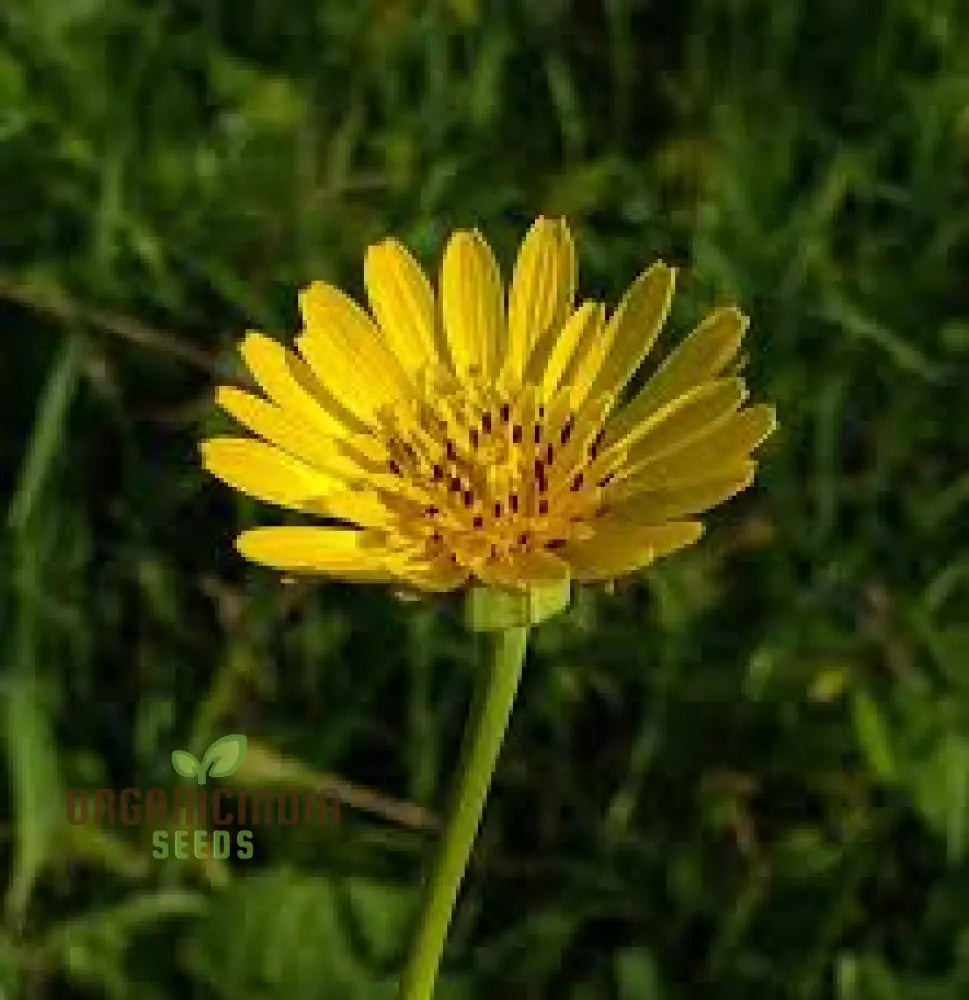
[(555, 543), (505, 413), (538, 434), (548, 454), (455, 485), (478, 521), (497, 510), (517, 432), (543, 506), (513, 502), (437, 473), (577, 483), (473, 435), (468, 498), (394, 467), (486, 422), (451, 451)]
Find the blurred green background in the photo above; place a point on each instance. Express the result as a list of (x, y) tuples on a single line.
[(745, 774)]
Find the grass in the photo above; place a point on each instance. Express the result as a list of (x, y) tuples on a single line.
[(744, 774)]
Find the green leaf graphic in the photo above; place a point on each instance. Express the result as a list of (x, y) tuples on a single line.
[(223, 757), (185, 764)]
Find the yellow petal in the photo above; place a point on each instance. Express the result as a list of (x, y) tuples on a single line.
[(679, 421), (402, 302), (347, 353), (265, 472), (548, 366), (439, 575), (358, 506), (300, 439), (713, 453), (634, 327), (340, 552), (620, 547), (702, 356), (675, 501), (287, 380), (542, 290), (472, 300)]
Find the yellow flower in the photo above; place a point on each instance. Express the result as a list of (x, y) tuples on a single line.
[(455, 438)]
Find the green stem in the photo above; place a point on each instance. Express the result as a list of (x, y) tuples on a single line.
[(483, 738)]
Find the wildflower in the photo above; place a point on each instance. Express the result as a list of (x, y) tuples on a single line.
[(454, 438), (464, 438)]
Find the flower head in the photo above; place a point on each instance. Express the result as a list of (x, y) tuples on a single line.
[(469, 436)]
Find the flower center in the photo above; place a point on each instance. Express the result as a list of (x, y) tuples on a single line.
[(491, 471)]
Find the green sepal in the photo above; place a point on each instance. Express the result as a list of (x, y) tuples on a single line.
[(489, 609)]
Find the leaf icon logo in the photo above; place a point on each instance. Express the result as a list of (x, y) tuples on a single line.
[(186, 765), (223, 757)]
